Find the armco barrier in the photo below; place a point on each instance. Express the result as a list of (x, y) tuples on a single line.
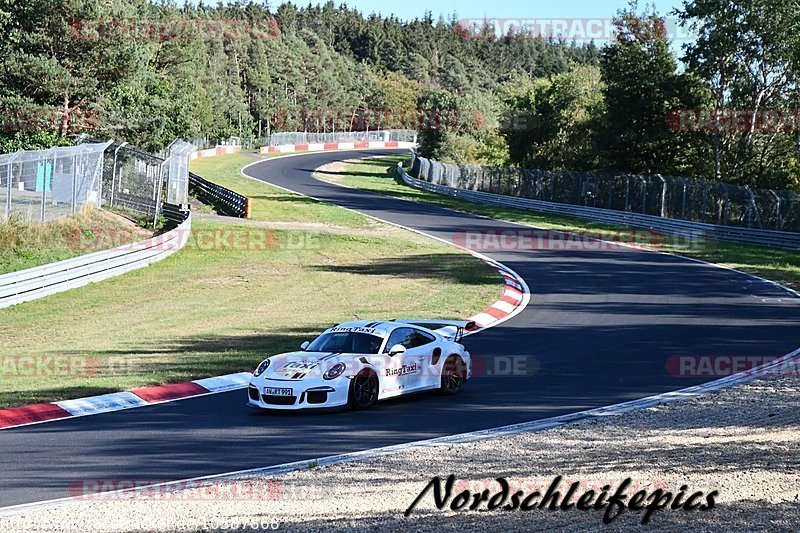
[(225, 201), (33, 283), (320, 147), (668, 226)]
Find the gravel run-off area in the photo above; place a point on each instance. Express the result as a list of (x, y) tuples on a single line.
[(743, 442)]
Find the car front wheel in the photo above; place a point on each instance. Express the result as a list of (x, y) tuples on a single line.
[(364, 390)]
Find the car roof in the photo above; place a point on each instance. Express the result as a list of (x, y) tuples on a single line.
[(381, 328)]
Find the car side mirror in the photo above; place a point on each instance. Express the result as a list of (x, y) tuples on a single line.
[(397, 349), (305, 345)]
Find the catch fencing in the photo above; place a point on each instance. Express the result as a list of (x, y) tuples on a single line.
[(688, 199), (281, 139), (142, 183), (691, 230), (41, 185)]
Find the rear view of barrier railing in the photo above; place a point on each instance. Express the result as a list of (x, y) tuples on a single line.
[(224, 201), (688, 199), (680, 228)]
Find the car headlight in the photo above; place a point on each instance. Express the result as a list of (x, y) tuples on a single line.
[(335, 371), (261, 368)]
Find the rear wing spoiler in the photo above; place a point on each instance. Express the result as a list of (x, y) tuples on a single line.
[(450, 329)]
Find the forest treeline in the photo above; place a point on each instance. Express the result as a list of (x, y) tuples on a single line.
[(723, 107)]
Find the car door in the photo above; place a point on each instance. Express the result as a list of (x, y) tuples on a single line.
[(404, 371), (427, 352)]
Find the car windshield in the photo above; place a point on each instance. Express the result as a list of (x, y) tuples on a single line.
[(346, 342)]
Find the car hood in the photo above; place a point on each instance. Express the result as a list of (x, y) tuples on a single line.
[(302, 365)]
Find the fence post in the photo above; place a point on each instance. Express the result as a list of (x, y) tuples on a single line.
[(627, 192), (114, 174), (159, 191), (751, 208), (777, 210), (663, 195), (683, 200), (644, 194), (74, 196), (8, 185), (44, 189), (725, 204), (705, 201)]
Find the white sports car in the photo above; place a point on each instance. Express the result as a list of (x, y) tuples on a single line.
[(359, 363)]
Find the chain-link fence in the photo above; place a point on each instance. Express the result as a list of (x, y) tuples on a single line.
[(141, 182), (280, 139), (133, 180), (178, 172), (665, 196), (40, 185)]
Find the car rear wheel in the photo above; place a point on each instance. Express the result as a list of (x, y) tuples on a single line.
[(364, 390), (454, 375)]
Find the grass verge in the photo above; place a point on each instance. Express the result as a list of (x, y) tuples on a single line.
[(26, 245), (240, 290), (379, 175), (270, 203)]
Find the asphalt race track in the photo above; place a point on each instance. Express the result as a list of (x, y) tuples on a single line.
[(599, 330)]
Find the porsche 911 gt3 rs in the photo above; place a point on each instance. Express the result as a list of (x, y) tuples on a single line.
[(359, 363)]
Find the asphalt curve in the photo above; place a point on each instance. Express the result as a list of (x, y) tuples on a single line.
[(600, 328)]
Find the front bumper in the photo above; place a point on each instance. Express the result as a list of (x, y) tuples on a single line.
[(311, 395)]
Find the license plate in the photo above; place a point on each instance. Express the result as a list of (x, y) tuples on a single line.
[(270, 391)]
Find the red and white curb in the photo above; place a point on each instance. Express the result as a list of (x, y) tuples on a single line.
[(513, 299), (213, 152), (119, 401), (321, 147)]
